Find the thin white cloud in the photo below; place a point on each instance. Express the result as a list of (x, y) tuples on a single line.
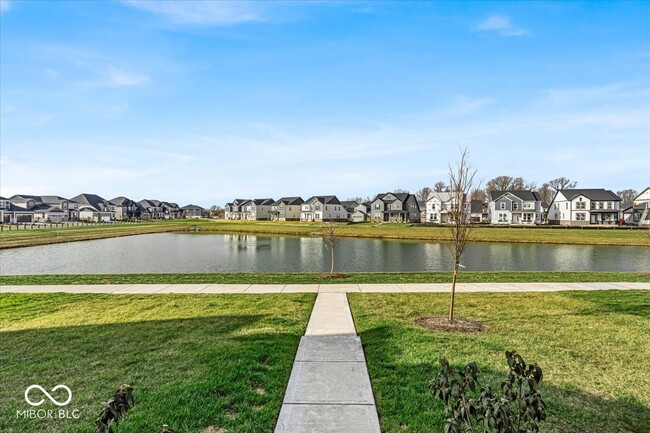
[(202, 12), (501, 25), (4, 6), (120, 77)]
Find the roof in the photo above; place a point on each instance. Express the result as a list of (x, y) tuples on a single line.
[(522, 194), (191, 206), (349, 204), (92, 200), (121, 201), (443, 196), (641, 193), (263, 201), (591, 194), (289, 200), (325, 199)]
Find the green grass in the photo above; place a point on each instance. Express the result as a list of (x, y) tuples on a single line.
[(594, 349), (546, 234), (311, 278), (194, 361)]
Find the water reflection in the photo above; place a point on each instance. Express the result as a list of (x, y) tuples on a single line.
[(171, 252)]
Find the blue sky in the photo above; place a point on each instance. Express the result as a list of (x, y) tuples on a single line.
[(206, 101)]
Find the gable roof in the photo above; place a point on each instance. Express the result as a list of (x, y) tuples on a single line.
[(289, 200), (121, 201), (641, 193), (522, 194), (191, 206), (263, 201), (591, 194), (92, 200), (476, 206), (325, 199)]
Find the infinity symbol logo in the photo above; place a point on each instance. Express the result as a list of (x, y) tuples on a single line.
[(47, 394)]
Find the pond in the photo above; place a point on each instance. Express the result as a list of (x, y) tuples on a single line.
[(188, 253)]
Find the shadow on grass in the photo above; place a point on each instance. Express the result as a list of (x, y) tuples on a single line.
[(403, 399), (635, 302), (228, 371)]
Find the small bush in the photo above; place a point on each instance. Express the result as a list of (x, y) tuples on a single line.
[(115, 409), (519, 409)]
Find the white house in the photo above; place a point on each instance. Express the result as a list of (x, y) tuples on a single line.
[(578, 207), (440, 207), (641, 204), (514, 207), (323, 208), (234, 210)]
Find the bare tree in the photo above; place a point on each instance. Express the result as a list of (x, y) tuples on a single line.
[(423, 194), (400, 191), (331, 239), (627, 195), (461, 180), (546, 193), (479, 194), (357, 199), (217, 211), (508, 183), (562, 183), (441, 187)]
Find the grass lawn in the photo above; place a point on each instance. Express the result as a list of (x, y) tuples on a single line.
[(310, 278), (194, 361), (594, 349), (601, 236)]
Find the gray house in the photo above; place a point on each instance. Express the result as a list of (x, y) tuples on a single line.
[(13, 214), (125, 208), (514, 207), (192, 211), (94, 208), (395, 207), (234, 210), (286, 209)]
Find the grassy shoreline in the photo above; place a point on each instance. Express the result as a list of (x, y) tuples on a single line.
[(316, 278), (544, 235)]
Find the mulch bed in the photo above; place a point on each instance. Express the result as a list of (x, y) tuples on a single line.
[(443, 324), (334, 276)]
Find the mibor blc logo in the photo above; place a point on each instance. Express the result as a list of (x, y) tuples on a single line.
[(33, 392)]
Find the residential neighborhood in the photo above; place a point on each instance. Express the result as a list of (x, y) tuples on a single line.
[(21, 208)]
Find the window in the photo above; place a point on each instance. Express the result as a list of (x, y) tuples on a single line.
[(502, 205), (580, 216), (581, 205), (609, 205), (515, 206), (433, 206)]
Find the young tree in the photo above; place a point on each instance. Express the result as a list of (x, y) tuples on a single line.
[(627, 195), (461, 180), (562, 183), (423, 194), (331, 239), (441, 187)]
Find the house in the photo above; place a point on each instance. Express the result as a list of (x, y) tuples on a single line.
[(579, 207), (94, 208), (440, 208), (323, 208), (642, 201), (361, 213), (14, 214), (286, 209), (47, 208), (125, 208), (350, 206), (234, 210), (192, 211), (395, 207), (514, 207), (257, 209), (152, 209), (171, 211), (478, 211)]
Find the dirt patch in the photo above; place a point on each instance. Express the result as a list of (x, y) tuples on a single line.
[(443, 324), (334, 276), (213, 429)]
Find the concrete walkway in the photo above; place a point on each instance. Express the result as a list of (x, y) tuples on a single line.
[(329, 389), (321, 288)]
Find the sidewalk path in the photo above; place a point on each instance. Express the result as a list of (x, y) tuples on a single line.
[(321, 288), (329, 389)]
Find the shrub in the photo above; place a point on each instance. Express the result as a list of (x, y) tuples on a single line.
[(519, 409), (115, 409)]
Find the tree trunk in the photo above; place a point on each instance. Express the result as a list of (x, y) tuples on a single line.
[(453, 292), (332, 266)]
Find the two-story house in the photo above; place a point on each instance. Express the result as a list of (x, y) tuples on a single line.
[(94, 208), (171, 211), (234, 210), (193, 211), (395, 207), (152, 209), (11, 213), (584, 207), (441, 208), (323, 208), (286, 209), (638, 212), (350, 206), (514, 207), (361, 213), (257, 209), (125, 208)]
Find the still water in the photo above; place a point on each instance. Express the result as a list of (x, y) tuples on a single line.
[(185, 253)]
